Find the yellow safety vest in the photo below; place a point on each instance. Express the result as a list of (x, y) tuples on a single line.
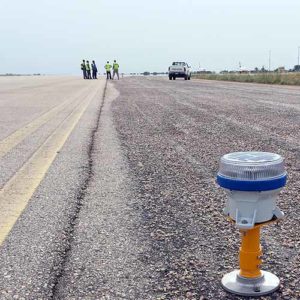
[(116, 66), (107, 67)]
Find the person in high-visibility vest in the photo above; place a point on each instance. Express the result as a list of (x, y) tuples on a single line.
[(83, 69), (88, 70), (116, 69), (108, 72)]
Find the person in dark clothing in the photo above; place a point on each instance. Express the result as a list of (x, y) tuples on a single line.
[(94, 69), (83, 68), (88, 70)]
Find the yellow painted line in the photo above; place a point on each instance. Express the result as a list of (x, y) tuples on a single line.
[(19, 189), (19, 135)]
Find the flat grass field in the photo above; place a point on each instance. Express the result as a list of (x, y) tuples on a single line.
[(267, 78)]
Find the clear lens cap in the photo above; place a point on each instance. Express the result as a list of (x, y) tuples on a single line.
[(251, 166)]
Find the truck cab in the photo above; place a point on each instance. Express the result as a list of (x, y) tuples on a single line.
[(179, 69)]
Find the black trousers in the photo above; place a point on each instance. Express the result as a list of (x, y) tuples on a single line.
[(94, 74), (84, 74), (89, 74), (108, 75)]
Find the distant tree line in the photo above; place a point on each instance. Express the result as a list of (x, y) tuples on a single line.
[(12, 74)]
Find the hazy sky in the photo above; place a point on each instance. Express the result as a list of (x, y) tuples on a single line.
[(52, 36)]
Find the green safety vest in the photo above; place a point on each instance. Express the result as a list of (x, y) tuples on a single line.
[(116, 66), (88, 68), (107, 67)]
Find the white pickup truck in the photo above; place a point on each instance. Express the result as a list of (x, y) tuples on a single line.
[(179, 69)]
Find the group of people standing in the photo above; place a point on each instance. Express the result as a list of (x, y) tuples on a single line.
[(115, 68), (90, 71), (87, 68)]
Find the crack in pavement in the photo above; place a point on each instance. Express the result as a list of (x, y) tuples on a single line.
[(79, 202)]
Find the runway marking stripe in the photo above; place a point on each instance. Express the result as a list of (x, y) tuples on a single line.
[(19, 135), (19, 189)]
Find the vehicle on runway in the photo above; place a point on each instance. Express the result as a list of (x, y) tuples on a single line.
[(179, 70)]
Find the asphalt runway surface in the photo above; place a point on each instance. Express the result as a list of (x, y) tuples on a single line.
[(108, 190)]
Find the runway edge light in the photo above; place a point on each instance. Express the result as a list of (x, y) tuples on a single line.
[(252, 181)]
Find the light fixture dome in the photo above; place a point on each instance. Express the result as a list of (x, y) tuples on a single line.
[(251, 171)]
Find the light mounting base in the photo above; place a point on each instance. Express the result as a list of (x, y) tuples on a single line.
[(264, 285)]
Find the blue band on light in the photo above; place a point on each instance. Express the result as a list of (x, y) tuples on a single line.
[(251, 186)]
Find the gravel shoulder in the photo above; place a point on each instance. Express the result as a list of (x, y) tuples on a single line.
[(173, 135)]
